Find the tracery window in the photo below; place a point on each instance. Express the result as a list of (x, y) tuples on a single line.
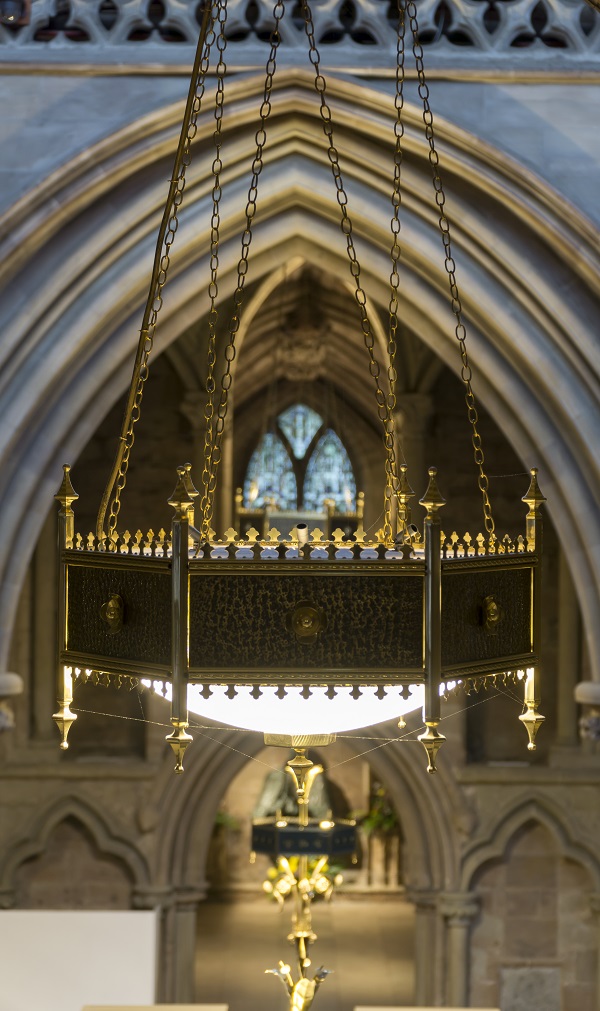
[(270, 476), (299, 465)]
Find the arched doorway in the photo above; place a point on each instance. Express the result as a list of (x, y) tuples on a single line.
[(530, 301)]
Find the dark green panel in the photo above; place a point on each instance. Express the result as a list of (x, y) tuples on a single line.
[(465, 640), (146, 632), (298, 840), (374, 622)]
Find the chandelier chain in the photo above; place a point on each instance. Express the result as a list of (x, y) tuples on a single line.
[(385, 403), (215, 221), (162, 261), (395, 226), (242, 270), (450, 267)]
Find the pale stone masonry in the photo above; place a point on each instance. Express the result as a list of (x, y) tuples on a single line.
[(499, 856)]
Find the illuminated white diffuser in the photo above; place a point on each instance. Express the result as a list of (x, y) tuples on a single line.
[(294, 714)]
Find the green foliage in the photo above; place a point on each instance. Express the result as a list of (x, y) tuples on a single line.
[(227, 821), (381, 818)]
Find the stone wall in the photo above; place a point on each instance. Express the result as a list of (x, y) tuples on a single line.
[(86, 153), (535, 938), (70, 873)]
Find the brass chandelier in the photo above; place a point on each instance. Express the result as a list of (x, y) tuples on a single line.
[(342, 617)]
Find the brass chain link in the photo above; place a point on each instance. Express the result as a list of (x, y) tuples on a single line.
[(450, 266), (242, 270), (383, 401), (162, 260), (386, 404), (213, 287), (395, 226)]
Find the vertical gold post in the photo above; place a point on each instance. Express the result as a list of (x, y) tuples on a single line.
[(360, 516), (431, 739), (303, 772), (404, 494), (182, 501), (63, 717), (191, 490), (532, 718)]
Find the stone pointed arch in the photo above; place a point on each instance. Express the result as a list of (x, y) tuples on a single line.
[(434, 812), (75, 263), (108, 842), (537, 810)]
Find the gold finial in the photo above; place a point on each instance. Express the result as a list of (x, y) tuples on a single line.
[(360, 514), (404, 489), (432, 741), (533, 496), (179, 740), (191, 489), (181, 499), (534, 499), (64, 720), (432, 499), (532, 721), (404, 493), (63, 717), (66, 494), (303, 772), (531, 718), (302, 992)]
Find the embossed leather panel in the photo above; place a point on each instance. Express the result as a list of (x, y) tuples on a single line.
[(146, 632), (373, 622), (464, 638)]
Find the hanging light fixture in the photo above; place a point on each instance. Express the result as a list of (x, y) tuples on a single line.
[(305, 637)]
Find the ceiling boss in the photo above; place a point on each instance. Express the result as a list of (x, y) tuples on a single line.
[(309, 635)]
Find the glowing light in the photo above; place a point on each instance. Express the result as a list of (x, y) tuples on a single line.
[(294, 714)]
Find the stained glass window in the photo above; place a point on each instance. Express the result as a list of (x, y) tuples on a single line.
[(276, 475), (270, 475), (299, 424), (329, 474)]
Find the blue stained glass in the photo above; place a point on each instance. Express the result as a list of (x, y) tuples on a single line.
[(299, 424), (270, 475), (329, 475)]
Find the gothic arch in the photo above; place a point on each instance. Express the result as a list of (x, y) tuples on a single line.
[(538, 810), (434, 813), (77, 254), (106, 840)]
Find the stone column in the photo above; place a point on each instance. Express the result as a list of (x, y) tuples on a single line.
[(569, 656), (43, 645), (425, 903), (595, 905), (458, 909), (414, 416), (587, 694), (177, 951)]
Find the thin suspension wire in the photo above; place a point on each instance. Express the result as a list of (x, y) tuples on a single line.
[(407, 738)]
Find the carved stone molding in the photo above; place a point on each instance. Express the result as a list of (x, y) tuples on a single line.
[(459, 908), (349, 32)]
